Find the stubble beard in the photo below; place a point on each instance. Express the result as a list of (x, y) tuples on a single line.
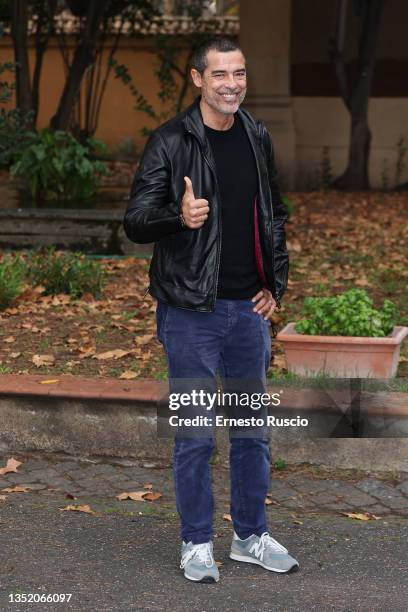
[(224, 108)]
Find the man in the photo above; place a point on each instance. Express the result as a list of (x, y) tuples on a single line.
[(206, 193)]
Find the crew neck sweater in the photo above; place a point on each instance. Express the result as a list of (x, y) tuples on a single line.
[(238, 185)]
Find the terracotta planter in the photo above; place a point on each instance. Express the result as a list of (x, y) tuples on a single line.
[(342, 356)]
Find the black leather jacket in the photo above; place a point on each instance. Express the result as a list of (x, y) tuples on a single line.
[(185, 263)]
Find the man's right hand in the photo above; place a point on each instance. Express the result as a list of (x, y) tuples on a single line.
[(195, 211)]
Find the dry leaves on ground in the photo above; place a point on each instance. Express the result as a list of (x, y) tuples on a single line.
[(361, 516), (16, 489), (11, 466), (85, 508), (139, 495)]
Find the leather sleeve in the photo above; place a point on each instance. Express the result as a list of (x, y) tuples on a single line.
[(280, 216), (150, 215)]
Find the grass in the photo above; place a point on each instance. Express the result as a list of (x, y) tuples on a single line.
[(322, 380)]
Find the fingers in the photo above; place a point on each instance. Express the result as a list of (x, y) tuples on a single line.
[(195, 211), (270, 312), (199, 208), (266, 303), (189, 187), (257, 296)]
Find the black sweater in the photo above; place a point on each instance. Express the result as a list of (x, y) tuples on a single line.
[(238, 184)]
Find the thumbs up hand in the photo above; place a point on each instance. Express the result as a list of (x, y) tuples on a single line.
[(195, 211)]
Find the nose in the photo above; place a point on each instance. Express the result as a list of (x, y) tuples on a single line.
[(232, 82)]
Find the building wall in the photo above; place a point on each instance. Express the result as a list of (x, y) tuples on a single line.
[(324, 122), (118, 120), (302, 124), (320, 116)]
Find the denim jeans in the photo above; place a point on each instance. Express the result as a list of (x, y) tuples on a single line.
[(235, 342)]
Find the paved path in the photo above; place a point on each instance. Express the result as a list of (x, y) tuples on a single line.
[(125, 557)]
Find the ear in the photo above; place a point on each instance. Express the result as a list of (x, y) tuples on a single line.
[(196, 77)]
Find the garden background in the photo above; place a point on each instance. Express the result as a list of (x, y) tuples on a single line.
[(83, 85)]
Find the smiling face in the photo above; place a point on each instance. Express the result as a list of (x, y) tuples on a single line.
[(223, 82)]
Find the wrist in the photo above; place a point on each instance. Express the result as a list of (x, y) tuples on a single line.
[(182, 220)]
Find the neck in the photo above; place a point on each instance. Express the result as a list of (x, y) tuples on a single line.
[(214, 119)]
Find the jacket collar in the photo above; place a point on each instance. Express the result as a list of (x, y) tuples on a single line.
[(193, 122)]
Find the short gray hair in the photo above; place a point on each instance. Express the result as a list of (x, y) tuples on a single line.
[(216, 43)]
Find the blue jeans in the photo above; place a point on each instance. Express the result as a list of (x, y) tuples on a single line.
[(235, 342)]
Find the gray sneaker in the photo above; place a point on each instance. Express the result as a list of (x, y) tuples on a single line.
[(265, 551), (197, 561)]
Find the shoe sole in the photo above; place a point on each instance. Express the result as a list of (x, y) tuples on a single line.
[(291, 570), (205, 580)]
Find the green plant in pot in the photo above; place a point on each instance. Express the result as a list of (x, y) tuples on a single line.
[(344, 336), (349, 314)]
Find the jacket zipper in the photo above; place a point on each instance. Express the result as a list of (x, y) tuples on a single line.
[(219, 233), (273, 290)]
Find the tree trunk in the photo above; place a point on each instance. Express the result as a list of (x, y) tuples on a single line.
[(45, 28), (83, 58), (19, 26), (355, 176)]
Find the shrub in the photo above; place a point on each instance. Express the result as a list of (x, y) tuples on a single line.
[(279, 464), (349, 314), (56, 166), (14, 136), (11, 279), (64, 272)]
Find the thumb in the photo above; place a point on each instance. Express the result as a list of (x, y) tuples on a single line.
[(189, 187)]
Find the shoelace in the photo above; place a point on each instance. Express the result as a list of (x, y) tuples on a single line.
[(201, 551), (267, 540)]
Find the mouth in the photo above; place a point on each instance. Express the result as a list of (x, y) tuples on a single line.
[(229, 97)]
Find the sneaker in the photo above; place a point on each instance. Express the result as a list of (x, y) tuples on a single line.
[(197, 561), (265, 551)]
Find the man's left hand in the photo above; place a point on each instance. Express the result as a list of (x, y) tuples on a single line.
[(265, 303)]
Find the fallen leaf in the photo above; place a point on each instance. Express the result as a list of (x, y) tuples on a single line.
[(279, 361), (3, 498), (128, 375), (11, 466), (48, 382), (142, 340), (148, 485), (15, 355), (134, 495), (227, 517), (218, 563), (42, 360), (297, 522), (86, 508), (114, 354), (16, 489), (361, 516), (139, 495), (151, 496), (9, 339)]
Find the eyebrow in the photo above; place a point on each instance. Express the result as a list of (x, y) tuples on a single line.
[(224, 71)]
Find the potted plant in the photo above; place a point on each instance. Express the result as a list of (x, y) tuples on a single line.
[(344, 336)]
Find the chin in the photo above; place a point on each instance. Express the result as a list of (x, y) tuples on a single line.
[(227, 109)]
